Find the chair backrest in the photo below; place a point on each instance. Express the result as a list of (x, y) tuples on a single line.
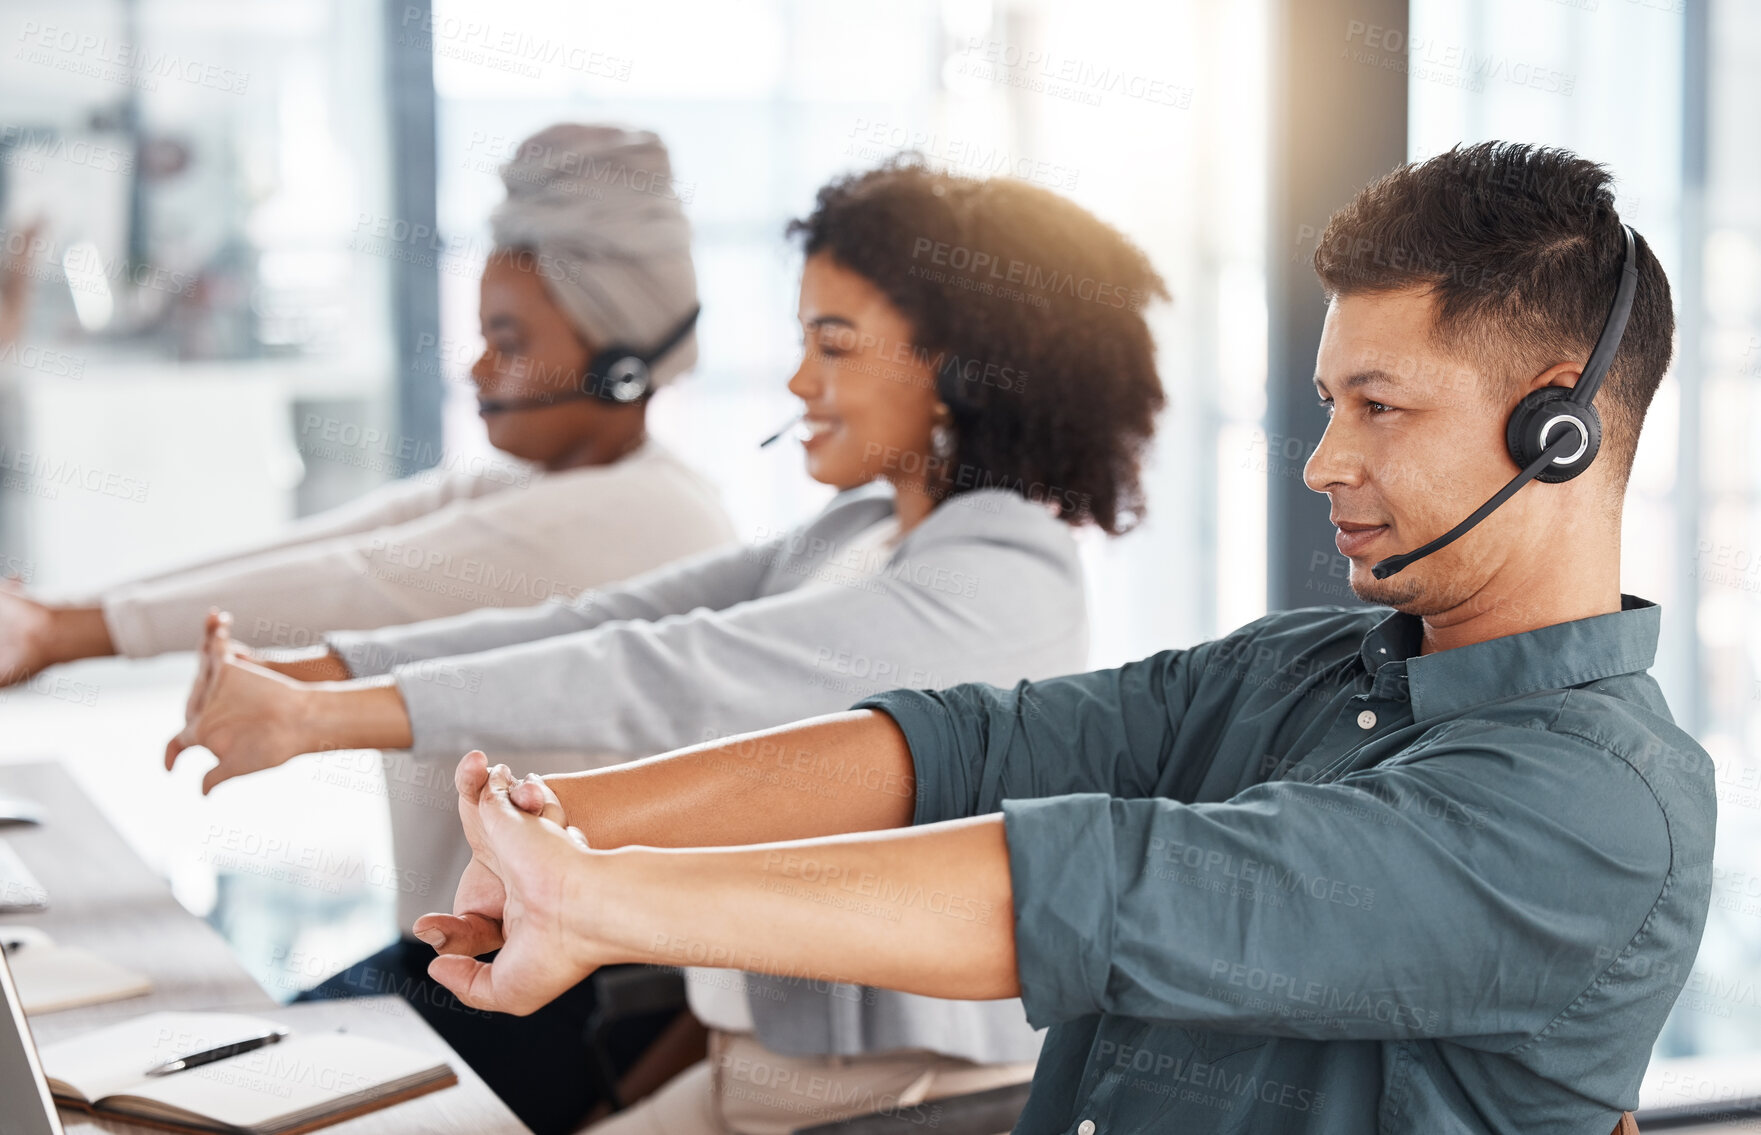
[(1626, 1126)]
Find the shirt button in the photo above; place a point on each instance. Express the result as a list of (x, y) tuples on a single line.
[(1086, 1127), (1366, 719)]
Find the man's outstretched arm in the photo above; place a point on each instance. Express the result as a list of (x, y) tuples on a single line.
[(926, 911), (845, 772)]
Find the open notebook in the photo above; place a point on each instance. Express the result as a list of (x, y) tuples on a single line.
[(306, 1081)]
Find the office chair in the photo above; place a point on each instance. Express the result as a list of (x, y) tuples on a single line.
[(975, 1113), (623, 994)]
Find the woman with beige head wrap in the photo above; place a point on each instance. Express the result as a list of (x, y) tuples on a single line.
[(591, 272), (599, 208)]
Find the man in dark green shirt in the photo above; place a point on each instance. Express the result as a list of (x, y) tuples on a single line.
[(1438, 864)]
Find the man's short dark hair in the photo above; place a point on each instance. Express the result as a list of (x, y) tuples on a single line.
[(1521, 248)]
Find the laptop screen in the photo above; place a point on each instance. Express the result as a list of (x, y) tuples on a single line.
[(28, 1110)]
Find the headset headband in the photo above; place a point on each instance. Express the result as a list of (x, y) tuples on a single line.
[(1613, 329), (659, 350)]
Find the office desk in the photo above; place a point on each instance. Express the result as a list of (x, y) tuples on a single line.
[(104, 898)]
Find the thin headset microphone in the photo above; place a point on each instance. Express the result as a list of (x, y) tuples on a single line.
[(778, 436), (1382, 569), (541, 402)]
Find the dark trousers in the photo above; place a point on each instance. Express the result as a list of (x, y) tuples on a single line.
[(540, 1065)]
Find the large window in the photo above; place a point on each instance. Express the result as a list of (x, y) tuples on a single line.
[(181, 183), (190, 324), (1721, 570)]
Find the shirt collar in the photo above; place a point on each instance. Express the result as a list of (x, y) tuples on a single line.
[(1549, 658)]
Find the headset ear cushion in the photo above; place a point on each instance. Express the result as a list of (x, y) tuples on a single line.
[(614, 371), (1523, 433)]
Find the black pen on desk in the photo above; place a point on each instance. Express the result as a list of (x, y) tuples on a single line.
[(197, 1059)]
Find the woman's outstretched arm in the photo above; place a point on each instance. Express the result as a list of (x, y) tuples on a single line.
[(252, 719)]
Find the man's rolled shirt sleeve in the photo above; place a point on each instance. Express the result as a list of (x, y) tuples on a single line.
[(1443, 890), (1110, 731), (946, 744)]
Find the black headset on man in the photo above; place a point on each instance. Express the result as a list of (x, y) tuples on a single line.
[(1554, 433), (617, 374)]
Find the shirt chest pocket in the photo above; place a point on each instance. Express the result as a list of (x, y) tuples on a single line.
[(1209, 1046)]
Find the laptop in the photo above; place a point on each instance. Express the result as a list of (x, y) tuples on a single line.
[(29, 1108)]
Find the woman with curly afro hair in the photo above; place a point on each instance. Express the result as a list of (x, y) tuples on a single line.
[(1026, 312), (976, 379)]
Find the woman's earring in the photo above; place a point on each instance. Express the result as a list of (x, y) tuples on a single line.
[(941, 441)]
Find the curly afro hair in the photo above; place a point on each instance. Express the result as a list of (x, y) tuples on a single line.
[(1030, 309)]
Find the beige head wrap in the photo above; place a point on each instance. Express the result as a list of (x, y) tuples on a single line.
[(599, 208)]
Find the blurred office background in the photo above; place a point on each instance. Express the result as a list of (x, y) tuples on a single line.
[(245, 239)]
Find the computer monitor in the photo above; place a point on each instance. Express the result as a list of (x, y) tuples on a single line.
[(29, 1109)]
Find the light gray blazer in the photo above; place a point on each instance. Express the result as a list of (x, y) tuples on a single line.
[(988, 588)]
